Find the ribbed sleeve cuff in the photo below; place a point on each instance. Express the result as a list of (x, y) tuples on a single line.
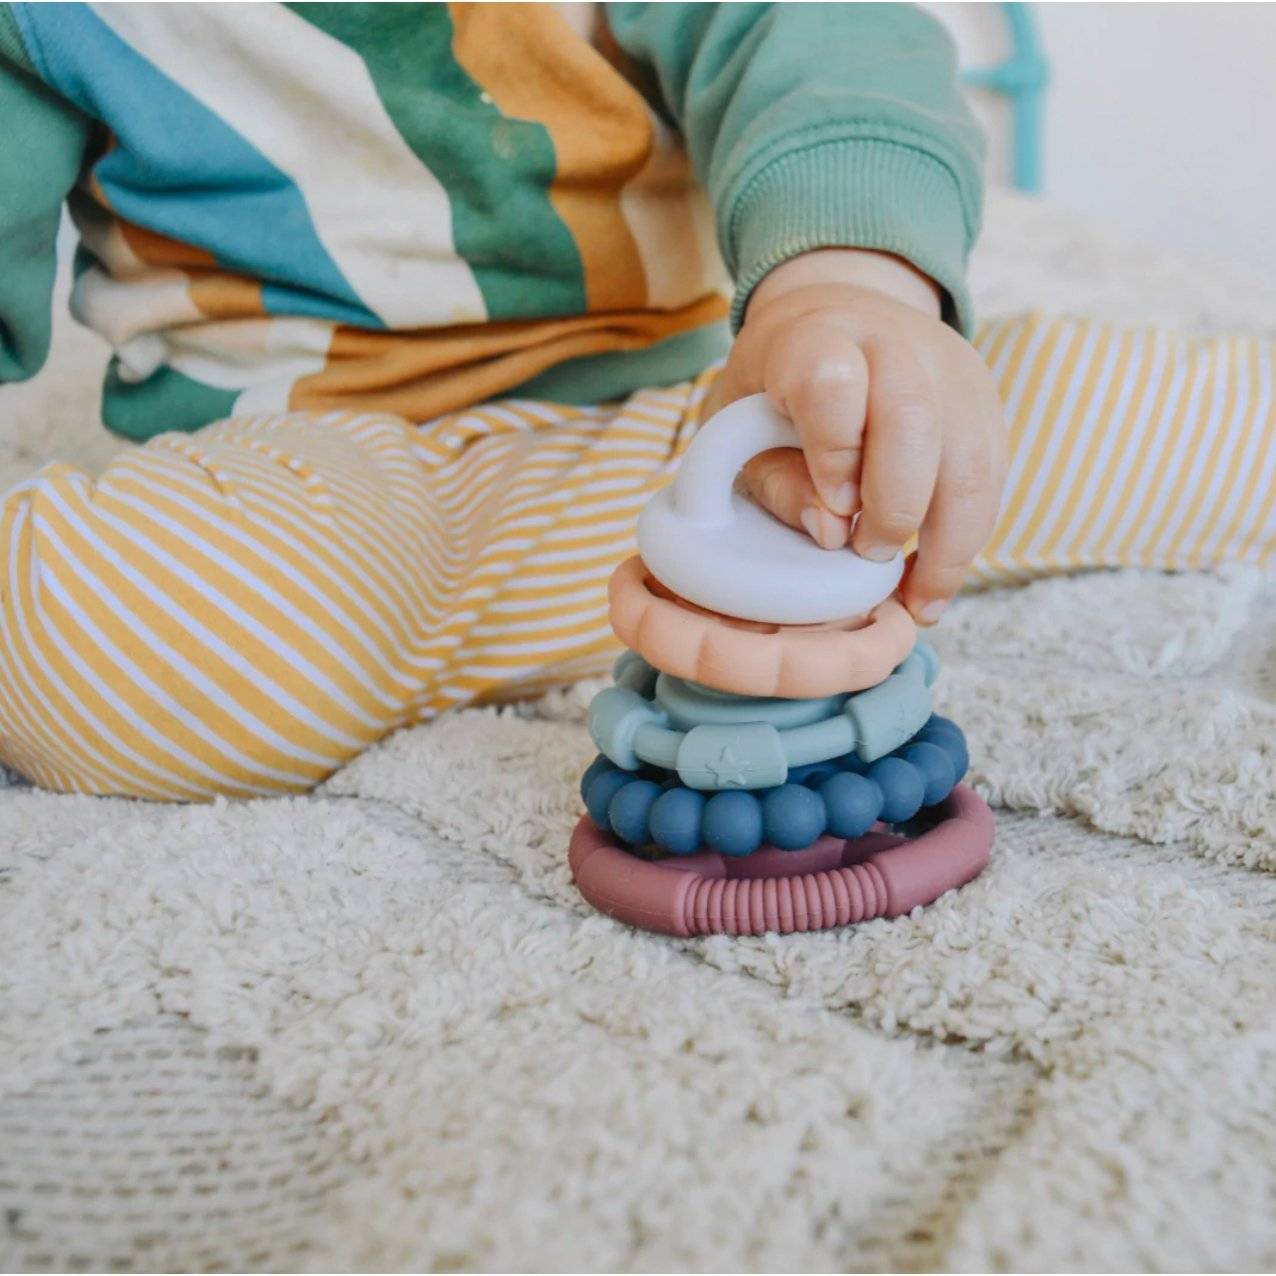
[(11, 46), (852, 193)]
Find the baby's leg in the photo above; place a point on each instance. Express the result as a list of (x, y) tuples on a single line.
[(1131, 447), (236, 611), (244, 609), (544, 499)]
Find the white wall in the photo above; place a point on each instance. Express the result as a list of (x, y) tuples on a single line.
[(1159, 117)]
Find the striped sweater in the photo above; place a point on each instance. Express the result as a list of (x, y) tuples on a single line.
[(417, 207)]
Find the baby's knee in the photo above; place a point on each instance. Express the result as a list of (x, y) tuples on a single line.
[(146, 655)]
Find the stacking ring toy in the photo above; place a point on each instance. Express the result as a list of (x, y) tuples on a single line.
[(715, 740), (756, 659), (768, 755), (831, 883)]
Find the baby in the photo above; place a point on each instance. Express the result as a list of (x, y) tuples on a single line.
[(414, 306)]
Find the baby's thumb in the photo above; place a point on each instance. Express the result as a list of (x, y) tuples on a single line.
[(781, 483)]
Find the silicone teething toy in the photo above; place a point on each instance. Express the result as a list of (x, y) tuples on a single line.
[(832, 883), (769, 725)]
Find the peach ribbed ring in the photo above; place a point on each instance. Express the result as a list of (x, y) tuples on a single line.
[(791, 661)]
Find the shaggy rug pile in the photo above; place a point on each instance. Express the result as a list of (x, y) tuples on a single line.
[(375, 1028)]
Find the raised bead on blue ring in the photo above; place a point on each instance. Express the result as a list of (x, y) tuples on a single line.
[(852, 802), (947, 736), (792, 817), (902, 789), (675, 821), (601, 790), (732, 823), (628, 810), (933, 763), (596, 768)]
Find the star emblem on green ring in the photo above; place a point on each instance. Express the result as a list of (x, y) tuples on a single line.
[(728, 771)]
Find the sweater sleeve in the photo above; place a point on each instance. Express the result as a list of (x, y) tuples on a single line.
[(42, 146), (818, 126)]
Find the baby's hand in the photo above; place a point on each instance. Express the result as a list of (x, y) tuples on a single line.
[(898, 416)]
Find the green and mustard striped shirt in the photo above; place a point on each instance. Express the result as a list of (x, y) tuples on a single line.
[(414, 207)]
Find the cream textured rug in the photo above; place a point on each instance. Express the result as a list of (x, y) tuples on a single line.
[(376, 1028)]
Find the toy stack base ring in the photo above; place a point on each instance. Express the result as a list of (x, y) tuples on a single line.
[(831, 883)]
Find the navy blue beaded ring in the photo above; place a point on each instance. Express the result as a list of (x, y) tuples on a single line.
[(843, 797)]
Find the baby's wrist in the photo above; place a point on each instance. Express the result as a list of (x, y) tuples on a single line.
[(864, 268)]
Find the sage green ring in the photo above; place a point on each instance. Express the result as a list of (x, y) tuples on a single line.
[(715, 740)]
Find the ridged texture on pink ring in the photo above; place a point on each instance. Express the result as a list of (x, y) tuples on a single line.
[(832, 883), (793, 662)]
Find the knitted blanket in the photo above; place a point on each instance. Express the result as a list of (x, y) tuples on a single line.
[(376, 1028)]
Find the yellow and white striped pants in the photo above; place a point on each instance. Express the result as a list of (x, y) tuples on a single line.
[(241, 610)]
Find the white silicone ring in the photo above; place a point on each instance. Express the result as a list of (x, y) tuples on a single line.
[(715, 547)]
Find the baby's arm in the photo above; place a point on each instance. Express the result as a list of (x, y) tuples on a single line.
[(844, 169), (42, 143)]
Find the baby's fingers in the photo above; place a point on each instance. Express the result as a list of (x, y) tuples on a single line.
[(817, 376), (901, 452), (962, 515), (780, 482)]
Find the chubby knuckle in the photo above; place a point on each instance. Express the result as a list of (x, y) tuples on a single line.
[(842, 368), (946, 576), (773, 486), (772, 482), (970, 484), (913, 408), (897, 523), (832, 374), (836, 462)]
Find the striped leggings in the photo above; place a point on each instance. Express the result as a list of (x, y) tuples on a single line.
[(241, 610)]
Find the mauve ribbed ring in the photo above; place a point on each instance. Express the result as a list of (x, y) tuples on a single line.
[(832, 883)]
